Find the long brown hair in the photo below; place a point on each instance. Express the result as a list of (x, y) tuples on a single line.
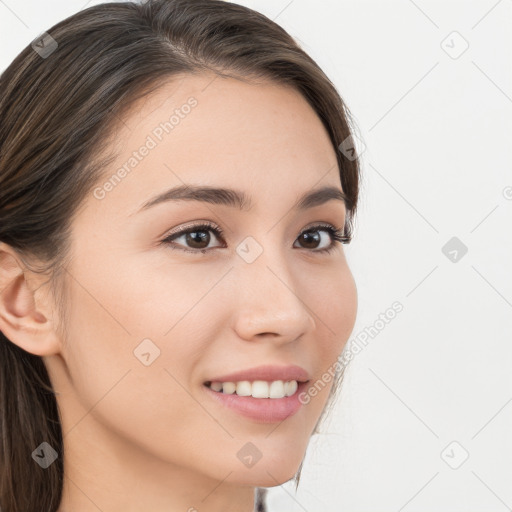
[(59, 102)]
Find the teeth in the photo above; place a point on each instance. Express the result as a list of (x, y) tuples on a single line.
[(216, 386), (257, 389)]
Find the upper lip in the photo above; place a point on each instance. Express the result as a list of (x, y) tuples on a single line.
[(266, 372)]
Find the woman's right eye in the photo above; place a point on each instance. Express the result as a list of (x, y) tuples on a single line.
[(196, 237)]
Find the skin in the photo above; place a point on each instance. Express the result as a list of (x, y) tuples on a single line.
[(142, 437)]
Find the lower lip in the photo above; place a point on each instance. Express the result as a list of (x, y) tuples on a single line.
[(263, 410)]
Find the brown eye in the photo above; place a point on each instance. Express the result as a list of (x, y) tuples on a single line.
[(196, 238), (310, 239)]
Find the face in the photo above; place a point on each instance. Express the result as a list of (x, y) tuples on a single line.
[(155, 313)]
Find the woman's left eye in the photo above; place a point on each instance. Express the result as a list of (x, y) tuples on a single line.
[(198, 237)]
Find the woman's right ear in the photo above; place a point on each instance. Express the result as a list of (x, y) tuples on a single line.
[(25, 318)]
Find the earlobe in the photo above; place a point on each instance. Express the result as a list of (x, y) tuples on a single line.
[(21, 320)]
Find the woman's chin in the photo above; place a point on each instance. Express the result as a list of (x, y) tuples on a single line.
[(262, 474)]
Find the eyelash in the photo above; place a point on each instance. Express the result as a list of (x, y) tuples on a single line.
[(336, 235)]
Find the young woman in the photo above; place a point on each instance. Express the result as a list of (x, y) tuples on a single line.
[(175, 191)]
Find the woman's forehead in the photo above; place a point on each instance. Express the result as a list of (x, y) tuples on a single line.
[(207, 110), (267, 137)]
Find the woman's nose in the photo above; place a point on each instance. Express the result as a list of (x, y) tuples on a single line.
[(268, 300)]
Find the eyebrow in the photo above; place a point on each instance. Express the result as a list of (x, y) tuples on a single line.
[(240, 200)]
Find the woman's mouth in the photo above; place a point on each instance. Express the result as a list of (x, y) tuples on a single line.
[(261, 401)]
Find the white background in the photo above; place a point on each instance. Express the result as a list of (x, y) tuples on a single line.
[(437, 131)]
